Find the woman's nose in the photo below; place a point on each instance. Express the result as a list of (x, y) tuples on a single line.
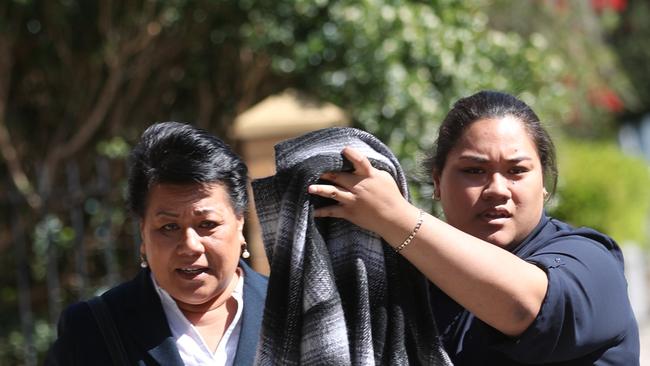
[(191, 243), (497, 186)]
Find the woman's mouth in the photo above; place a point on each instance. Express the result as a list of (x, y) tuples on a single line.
[(191, 272), (495, 216)]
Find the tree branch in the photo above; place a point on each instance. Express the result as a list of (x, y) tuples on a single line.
[(93, 121), (7, 149), (256, 68), (206, 104), (116, 65)]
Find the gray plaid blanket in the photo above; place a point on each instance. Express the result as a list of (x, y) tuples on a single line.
[(337, 295)]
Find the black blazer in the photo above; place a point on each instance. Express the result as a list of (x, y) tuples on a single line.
[(139, 317)]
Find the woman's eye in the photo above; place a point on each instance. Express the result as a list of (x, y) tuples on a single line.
[(473, 170), (518, 170), (169, 227), (207, 225)]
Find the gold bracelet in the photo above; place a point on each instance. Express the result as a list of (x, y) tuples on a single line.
[(412, 235)]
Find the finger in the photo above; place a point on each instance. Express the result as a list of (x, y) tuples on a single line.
[(342, 180), (329, 176), (329, 191), (359, 161), (330, 211)]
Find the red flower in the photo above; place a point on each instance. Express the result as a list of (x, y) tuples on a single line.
[(607, 99), (616, 5)]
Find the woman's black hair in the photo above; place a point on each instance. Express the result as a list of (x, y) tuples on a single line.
[(485, 105), (177, 153)]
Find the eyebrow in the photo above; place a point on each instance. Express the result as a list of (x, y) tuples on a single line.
[(197, 212), (203, 211), (166, 213), (483, 159)]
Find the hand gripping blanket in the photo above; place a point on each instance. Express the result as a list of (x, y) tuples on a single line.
[(337, 294)]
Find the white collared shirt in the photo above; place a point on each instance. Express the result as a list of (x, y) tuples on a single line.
[(193, 349)]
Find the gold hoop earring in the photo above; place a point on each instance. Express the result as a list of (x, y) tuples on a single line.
[(244, 251)]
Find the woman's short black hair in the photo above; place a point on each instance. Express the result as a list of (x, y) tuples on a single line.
[(492, 104), (177, 153)]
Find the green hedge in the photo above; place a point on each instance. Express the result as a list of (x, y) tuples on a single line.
[(603, 188)]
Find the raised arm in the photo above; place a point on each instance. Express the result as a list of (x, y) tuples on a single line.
[(501, 289)]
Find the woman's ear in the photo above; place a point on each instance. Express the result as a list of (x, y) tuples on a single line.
[(240, 226), (142, 237), (436, 186)]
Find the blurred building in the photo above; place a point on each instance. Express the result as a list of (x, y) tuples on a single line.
[(256, 131), (634, 137)]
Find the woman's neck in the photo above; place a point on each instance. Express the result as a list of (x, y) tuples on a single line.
[(217, 308), (213, 318)]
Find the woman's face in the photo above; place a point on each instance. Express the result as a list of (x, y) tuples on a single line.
[(492, 185), (192, 239)]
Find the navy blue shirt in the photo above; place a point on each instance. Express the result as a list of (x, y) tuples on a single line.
[(585, 319)]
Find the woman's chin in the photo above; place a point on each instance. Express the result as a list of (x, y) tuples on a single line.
[(195, 299), (500, 239)]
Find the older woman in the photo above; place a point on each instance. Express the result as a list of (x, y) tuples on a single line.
[(513, 286), (194, 302)]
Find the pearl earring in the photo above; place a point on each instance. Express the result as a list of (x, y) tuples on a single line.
[(245, 253), (143, 261)]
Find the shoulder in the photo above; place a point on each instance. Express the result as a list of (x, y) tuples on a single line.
[(254, 298), (586, 308), (78, 339), (254, 280), (255, 287), (78, 316), (565, 231), (560, 244), (127, 294), (75, 321), (583, 266), (78, 336)]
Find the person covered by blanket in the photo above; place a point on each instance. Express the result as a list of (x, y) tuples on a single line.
[(511, 286), (194, 301)]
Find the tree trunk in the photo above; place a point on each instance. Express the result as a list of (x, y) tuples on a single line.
[(23, 285), (77, 220), (106, 231)]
